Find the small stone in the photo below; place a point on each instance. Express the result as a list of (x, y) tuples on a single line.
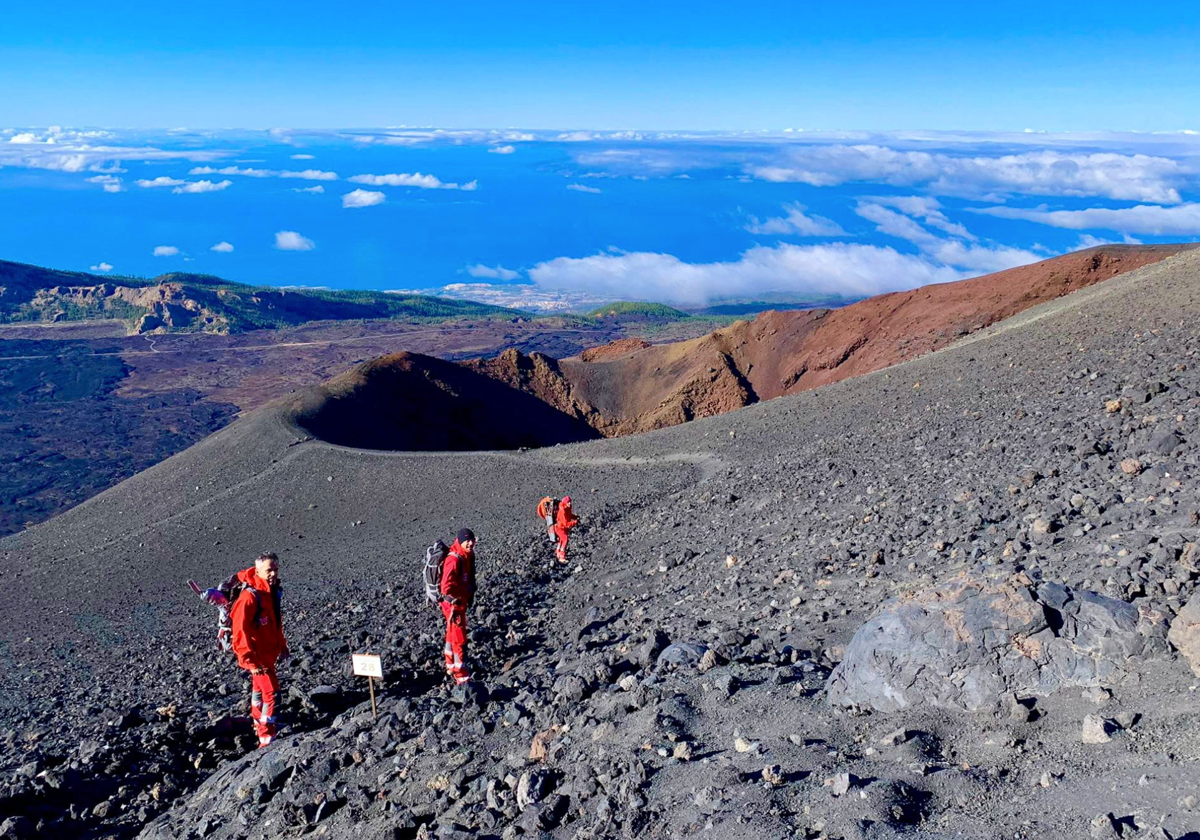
[(772, 774), (1113, 406), (707, 662), (682, 751), (893, 738), (1096, 730), (1131, 466), (743, 746), (1104, 827), (1041, 526), (1097, 695), (628, 682), (840, 784)]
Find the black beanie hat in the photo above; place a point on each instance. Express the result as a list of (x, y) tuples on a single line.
[(465, 534)]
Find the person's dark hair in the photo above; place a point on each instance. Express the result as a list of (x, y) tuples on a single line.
[(465, 534), (268, 555)]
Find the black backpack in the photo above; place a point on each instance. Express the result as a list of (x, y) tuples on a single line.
[(435, 559)]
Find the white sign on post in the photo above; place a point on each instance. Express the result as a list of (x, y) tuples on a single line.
[(368, 665)]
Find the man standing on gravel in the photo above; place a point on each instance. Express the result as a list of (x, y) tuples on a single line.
[(564, 520), (458, 591), (258, 639)]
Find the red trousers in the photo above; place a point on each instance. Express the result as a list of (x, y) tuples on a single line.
[(562, 534), (263, 690), (455, 651)]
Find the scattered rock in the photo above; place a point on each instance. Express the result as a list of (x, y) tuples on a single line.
[(1185, 633), (970, 643), (1097, 730)]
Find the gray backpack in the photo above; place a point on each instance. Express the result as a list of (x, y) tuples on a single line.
[(435, 558)]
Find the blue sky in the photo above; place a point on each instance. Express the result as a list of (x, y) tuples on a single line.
[(666, 65), (676, 152)]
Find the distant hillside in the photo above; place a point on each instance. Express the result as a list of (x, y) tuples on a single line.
[(181, 302), (638, 311)]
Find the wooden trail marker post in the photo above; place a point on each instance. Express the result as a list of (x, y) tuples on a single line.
[(368, 665)]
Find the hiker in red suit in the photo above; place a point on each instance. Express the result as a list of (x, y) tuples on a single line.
[(564, 520), (458, 590), (258, 639)]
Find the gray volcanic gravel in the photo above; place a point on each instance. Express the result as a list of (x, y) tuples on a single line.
[(670, 681)]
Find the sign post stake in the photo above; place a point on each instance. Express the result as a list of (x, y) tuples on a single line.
[(368, 665)]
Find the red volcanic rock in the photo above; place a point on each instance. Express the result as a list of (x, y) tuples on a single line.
[(635, 389)]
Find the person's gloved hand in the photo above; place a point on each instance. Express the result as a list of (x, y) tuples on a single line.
[(215, 597)]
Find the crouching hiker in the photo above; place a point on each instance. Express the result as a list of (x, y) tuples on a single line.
[(457, 589), (258, 640)]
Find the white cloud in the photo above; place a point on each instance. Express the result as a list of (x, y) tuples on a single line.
[(289, 240), (160, 181), (233, 170), (222, 248), (310, 175), (1089, 241), (318, 189), (577, 136), (925, 208), (414, 179), (362, 198), (72, 150), (111, 183), (795, 221), (954, 252), (165, 251), (1135, 177), (101, 267), (502, 150), (303, 157), (1181, 220), (203, 187), (583, 188), (836, 268), (492, 273)]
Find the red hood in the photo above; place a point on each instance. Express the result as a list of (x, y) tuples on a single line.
[(457, 548), (250, 578)]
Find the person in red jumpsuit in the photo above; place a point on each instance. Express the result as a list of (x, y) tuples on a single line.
[(458, 591), (258, 639), (564, 520)]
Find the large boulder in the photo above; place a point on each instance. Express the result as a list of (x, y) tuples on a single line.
[(1185, 633), (970, 643)]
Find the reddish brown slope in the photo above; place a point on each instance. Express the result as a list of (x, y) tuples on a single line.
[(636, 389)]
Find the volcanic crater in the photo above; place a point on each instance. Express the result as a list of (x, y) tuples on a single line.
[(414, 402)]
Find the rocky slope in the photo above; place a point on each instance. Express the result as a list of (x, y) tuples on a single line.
[(673, 679)]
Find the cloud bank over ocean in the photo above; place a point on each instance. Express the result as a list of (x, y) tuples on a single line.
[(678, 217)]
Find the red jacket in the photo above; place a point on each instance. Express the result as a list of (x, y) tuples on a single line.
[(458, 576), (565, 518), (257, 626)]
